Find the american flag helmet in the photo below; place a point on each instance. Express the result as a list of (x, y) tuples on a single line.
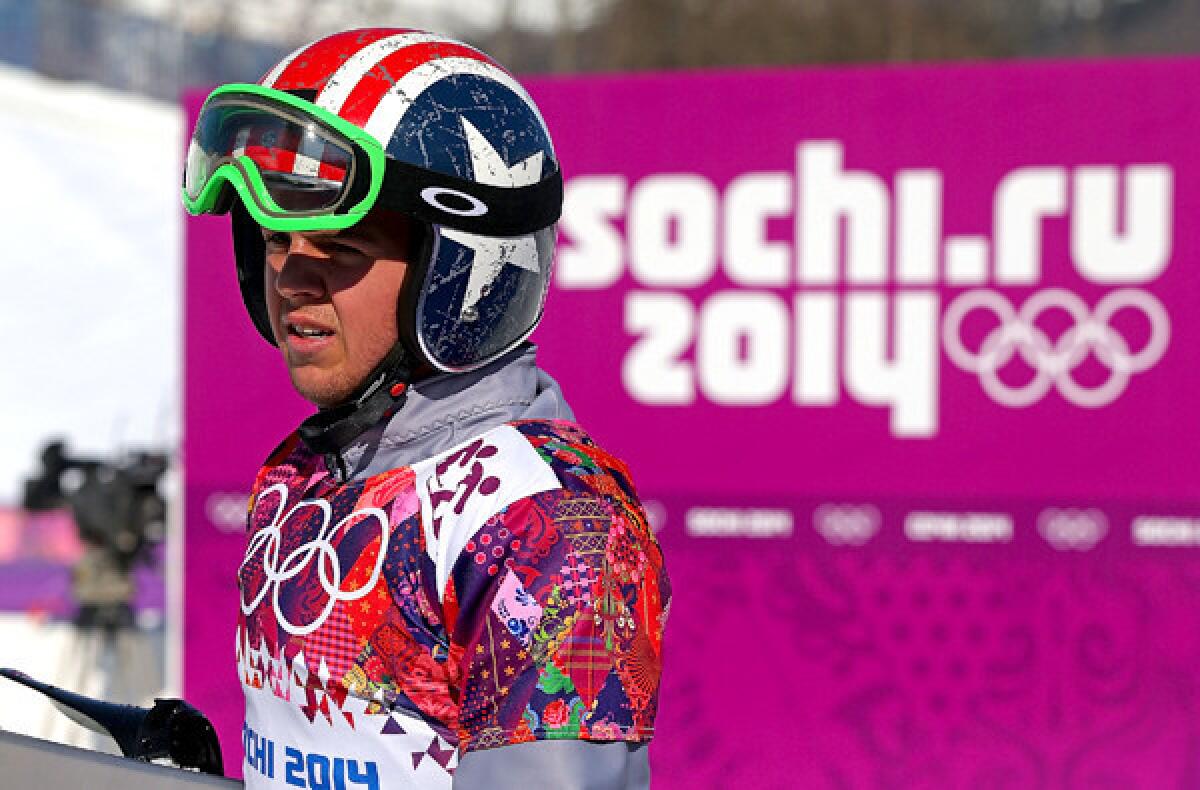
[(461, 135)]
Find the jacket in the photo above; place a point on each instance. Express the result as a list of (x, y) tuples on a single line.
[(470, 587)]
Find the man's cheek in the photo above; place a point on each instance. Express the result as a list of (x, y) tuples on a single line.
[(273, 313)]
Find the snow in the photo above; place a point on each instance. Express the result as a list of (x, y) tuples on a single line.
[(91, 268)]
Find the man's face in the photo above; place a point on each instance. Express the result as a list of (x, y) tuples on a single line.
[(331, 297)]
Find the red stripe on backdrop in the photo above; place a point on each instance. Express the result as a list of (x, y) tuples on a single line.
[(312, 68), (370, 90)]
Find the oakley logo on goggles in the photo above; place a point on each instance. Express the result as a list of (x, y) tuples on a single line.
[(297, 166)]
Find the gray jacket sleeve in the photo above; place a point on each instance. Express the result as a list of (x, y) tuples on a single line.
[(556, 765)]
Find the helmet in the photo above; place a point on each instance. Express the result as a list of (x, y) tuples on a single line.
[(408, 120)]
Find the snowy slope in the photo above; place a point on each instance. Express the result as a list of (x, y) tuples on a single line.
[(90, 261)]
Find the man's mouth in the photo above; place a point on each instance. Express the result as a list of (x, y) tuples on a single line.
[(302, 326), (306, 335), (307, 331)]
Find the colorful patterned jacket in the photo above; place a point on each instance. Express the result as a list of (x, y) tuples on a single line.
[(398, 612)]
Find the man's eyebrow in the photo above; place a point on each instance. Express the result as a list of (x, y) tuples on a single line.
[(353, 232), (340, 233)]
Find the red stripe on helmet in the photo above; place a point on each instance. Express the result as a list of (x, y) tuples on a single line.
[(311, 68), (271, 159), (331, 172), (374, 85)]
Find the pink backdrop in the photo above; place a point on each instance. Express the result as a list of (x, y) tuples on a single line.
[(901, 360)]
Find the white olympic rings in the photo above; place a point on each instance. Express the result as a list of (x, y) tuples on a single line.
[(1053, 362), (268, 539)]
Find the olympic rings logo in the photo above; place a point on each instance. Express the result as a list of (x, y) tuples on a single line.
[(1072, 529), (329, 571), (1054, 362), (226, 511), (847, 525)]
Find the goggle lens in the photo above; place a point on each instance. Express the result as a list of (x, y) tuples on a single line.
[(302, 166)]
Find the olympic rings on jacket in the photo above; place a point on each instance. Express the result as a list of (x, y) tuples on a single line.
[(1053, 362), (268, 540)]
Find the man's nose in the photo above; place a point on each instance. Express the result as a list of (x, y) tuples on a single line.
[(300, 270)]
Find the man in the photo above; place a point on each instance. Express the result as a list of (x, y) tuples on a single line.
[(445, 576)]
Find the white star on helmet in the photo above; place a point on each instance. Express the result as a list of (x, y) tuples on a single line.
[(493, 254)]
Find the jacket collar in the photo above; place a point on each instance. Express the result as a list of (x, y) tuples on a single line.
[(448, 409)]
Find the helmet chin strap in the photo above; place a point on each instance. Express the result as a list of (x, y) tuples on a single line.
[(384, 389)]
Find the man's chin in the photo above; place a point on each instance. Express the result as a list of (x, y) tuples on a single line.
[(323, 391)]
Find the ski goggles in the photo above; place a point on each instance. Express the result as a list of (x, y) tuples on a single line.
[(299, 167)]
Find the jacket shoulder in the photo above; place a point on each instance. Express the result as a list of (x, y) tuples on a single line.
[(282, 462), (580, 464)]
